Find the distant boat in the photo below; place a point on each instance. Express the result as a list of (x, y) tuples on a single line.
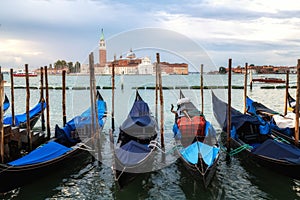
[(268, 80), (22, 73)]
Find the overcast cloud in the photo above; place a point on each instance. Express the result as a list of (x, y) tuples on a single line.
[(40, 32)]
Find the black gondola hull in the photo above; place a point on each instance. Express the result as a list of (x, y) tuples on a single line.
[(125, 174), (279, 166), (195, 170), (15, 176)]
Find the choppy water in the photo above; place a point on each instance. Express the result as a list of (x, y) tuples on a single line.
[(86, 180)]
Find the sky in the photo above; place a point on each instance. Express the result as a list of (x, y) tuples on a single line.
[(209, 32)]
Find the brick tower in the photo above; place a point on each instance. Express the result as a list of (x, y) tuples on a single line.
[(102, 50)]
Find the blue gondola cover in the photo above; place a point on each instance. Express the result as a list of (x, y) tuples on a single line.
[(278, 150), (21, 118), (44, 153), (6, 104), (79, 122), (132, 153), (208, 153), (139, 122)]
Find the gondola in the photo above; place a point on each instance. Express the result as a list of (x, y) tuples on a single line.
[(135, 149), (69, 144), (252, 134), (282, 127), (6, 104), (21, 119), (291, 102), (196, 141)]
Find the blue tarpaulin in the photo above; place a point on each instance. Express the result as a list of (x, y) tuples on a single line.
[(208, 153), (278, 150), (132, 153), (44, 153), (6, 104), (81, 121), (140, 122), (255, 107), (238, 119), (21, 118)]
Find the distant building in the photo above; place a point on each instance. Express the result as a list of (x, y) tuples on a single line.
[(53, 71), (127, 65), (174, 68), (131, 64), (102, 50), (145, 67)]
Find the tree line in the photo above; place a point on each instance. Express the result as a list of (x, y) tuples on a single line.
[(72, 68)]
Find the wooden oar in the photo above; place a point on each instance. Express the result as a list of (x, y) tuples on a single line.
[(187, 115)]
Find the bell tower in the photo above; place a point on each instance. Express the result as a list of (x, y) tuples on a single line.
[(102, 50)]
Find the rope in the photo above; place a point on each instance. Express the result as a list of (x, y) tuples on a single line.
[(240, 149), (202, 173), (84, 147), (117, 178), (280, 139)]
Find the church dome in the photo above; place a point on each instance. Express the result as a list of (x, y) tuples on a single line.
[(130, 54)]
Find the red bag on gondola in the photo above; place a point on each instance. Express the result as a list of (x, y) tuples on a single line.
[(191, 127)]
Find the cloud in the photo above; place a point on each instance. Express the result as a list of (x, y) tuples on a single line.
[(71, 29)]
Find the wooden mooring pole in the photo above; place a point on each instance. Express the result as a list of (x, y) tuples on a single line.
[(12, 98), (286, 92), (297, 105), (251, 82), (27, 108), (161, 99), (42, 98), (47, 103), (91, 68), (64, 97), (201, 88), (92, 98), (97, 126), (156, 92), (245, 88), (229, 107), (1, 118), (113, 95)]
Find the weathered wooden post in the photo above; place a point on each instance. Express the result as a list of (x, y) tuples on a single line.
[(201, 88), (229, 108), (91, 68), (161, 102), (297, 105), (64, 97), (156, 91), (1, 118), (97, 126), (286, 92), (42, 98), (245, 88), (12, 94), (113, 95), (122, 81), (47, 103), (251, 82), (27, 108)]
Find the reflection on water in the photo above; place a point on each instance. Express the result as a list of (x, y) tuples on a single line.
[(85, 180)]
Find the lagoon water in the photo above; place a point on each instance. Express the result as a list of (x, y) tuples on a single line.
[(85, 180)]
